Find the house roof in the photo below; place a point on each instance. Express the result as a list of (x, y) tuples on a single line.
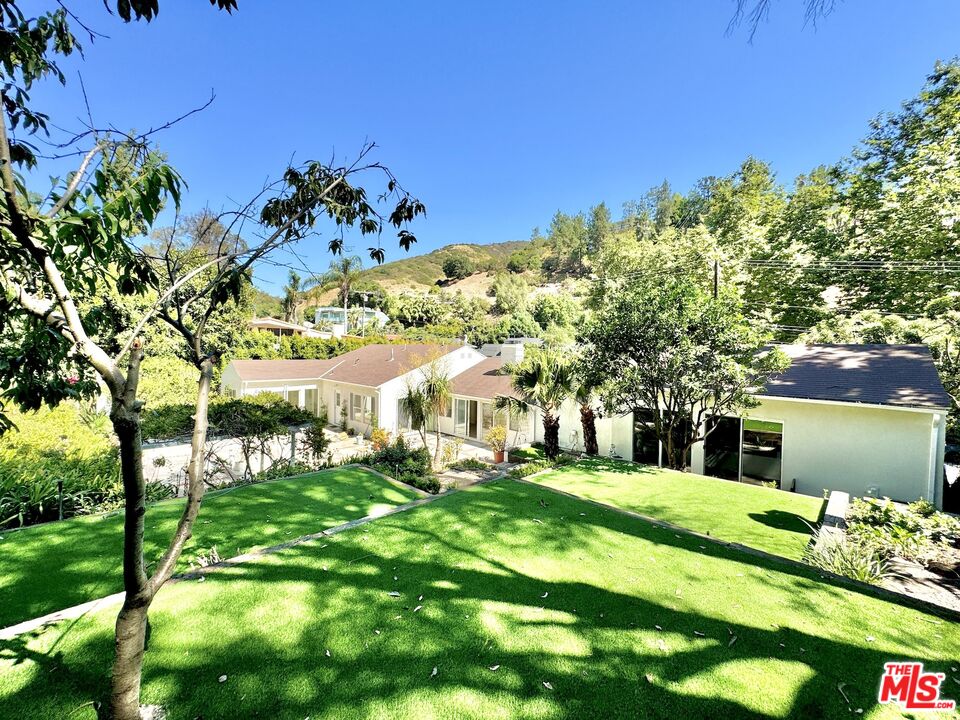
[(483, 380), (898, 375), (282, 369), (373, 365)]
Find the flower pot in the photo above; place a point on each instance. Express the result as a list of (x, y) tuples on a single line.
[(498, 456)]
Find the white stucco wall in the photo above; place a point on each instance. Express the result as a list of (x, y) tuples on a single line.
[(852, 448)]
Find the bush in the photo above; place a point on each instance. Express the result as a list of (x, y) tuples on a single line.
[(848, 557), (399, 461), (457, 267), (316, 438), (227, 416), (918, 533)]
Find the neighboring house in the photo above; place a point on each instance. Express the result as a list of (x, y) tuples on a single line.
[(864, 419), (282, 327), (332, 315), (363, 386)]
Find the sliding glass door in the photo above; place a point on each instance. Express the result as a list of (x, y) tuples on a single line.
[(721, 448), (762, 452), (746, 450)]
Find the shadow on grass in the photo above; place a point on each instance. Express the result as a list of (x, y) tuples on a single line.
[(470, 561), (54, 566)]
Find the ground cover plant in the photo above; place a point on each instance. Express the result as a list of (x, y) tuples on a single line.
[(765, 519), (504, 600), (57, 565)]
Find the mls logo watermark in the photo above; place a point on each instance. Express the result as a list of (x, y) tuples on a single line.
[(907, 685)]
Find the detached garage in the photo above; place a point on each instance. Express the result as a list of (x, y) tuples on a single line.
[(864, 419)]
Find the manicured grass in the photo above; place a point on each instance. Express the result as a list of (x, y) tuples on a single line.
[(540, 587), (758, 517), (57, 565)]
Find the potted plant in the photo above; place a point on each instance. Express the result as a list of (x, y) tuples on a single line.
[(497, 440)]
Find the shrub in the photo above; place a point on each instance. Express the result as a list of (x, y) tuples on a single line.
[(845, 556), (918, 533), (399, 461), (457, 267), (497, 438), (470, 464), (316, 438), (380, 439), (280, 469), (227, 416)]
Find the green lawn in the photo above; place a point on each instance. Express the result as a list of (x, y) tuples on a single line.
[(503, 588), (758, 517), (57, 565)]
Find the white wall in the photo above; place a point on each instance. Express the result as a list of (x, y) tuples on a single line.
[(853, 448), (454, 363)]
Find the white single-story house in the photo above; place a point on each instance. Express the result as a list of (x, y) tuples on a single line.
[(364, 386), (282, 327), (864, 419)]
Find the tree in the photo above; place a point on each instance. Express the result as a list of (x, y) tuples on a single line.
[(290, 302), (599, 228), (588, 418), (509, 292), (544, 379), (670, 346), (428, 394), (62, 246), (343, 274), (457, 267), (554, 309)]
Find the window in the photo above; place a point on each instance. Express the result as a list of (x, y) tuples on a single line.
[(362, 408), (487, 417), (514, 422)]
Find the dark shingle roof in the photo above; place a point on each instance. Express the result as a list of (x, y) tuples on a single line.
[(483, 380), (899, 375), (370, 365)]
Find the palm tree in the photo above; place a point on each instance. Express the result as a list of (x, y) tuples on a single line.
[(427, 399), (343, 274), (543, 379), (588, 418), (290, 303)]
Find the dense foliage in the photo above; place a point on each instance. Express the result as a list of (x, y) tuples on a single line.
[(262, 414), (409, 465)]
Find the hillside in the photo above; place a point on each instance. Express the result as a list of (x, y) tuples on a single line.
[(423, 271)]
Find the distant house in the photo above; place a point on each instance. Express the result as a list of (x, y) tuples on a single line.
[(864, 419), (333, 315), (281, 328)]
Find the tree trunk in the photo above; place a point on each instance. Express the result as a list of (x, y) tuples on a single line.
[(438, 451), (551, 436), (588, 420), (131, 627)]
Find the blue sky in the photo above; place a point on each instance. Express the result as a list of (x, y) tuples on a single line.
[(497, 114)]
